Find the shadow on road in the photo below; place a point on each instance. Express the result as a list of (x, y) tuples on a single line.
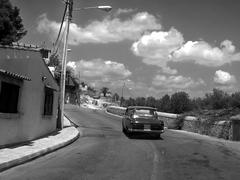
[(144, 136)]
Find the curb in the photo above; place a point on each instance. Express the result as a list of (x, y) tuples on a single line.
[(30, 156), (113, 114), (73, 123)]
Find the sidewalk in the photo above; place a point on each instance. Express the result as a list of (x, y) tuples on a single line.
[(14, 156)]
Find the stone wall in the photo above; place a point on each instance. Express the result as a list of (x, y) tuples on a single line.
[(116, 110), (220, 129)]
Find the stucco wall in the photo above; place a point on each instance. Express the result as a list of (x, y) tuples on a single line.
[(29, 123)]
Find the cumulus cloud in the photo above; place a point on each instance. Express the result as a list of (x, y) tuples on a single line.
[(160, 47), (72, 64), (227, 46), (176, 82), (200, 52), (99, 71), (110, 29), (157, 46), (224, 78), (49, 27)]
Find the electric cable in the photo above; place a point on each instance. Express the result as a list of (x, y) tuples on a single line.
[(60, 30)]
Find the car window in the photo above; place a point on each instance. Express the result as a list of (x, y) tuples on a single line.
[(144, 112)]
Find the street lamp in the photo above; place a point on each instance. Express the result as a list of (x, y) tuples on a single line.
[(122, 91), (122, 95), (69, 5), (103, 8)]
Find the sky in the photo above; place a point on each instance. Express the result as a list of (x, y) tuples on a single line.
[(154, 47)]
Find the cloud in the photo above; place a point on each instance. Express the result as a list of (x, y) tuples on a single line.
[(124, 11), (227, 46), (224, 78), (98, 71), (72, 64), (200, 52), (176, 82), (156, 47), (110, 29), (161, 47), (48, 27)]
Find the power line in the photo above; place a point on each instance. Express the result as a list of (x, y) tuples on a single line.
[(60, 30)]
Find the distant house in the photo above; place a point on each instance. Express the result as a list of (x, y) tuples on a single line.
[(72, 90), (28, 94), (107, 97)]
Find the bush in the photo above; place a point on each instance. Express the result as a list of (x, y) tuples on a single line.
[(235, 100), (179, 122)]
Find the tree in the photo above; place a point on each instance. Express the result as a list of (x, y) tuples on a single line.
[(235, 100), (140, 101), (197, 103), (11, 27), (104, 90), (218, 99), (151, 102), (130, 102), (180, 102), (165, 103), (115, 97), (91, 89), (54, 60)]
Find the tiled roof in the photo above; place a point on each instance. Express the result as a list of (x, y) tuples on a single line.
[(22, 46), (14, 75)]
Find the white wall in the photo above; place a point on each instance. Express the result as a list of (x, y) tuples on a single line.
[(29, 123)]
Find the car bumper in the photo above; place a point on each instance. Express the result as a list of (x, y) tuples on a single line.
[(146, 131)]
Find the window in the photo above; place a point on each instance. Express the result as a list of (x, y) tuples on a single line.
[(48, 103), (9, 94), (144, 112)]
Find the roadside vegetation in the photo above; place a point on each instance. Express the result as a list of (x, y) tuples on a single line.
[(11, 26), (180, 102)]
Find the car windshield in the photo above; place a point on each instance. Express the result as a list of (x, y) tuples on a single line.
[(144, 112)]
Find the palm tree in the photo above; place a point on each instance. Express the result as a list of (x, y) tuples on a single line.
[(104, 90)]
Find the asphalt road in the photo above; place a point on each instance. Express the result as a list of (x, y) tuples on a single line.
[(103, 152)]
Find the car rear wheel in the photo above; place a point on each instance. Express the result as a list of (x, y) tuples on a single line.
[(126, 132), (158, 136), (123, 130)]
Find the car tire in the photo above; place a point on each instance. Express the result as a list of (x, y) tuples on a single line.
[(123, 130), (127, 133), (158, 136)]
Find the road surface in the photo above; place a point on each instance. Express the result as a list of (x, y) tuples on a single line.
[(103, 152)]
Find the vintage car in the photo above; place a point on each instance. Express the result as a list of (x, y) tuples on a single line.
[(142, 119)]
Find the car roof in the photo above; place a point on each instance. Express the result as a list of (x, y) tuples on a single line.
[(141, 107)]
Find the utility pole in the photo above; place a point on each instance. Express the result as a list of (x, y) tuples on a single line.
[(69, 4)]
